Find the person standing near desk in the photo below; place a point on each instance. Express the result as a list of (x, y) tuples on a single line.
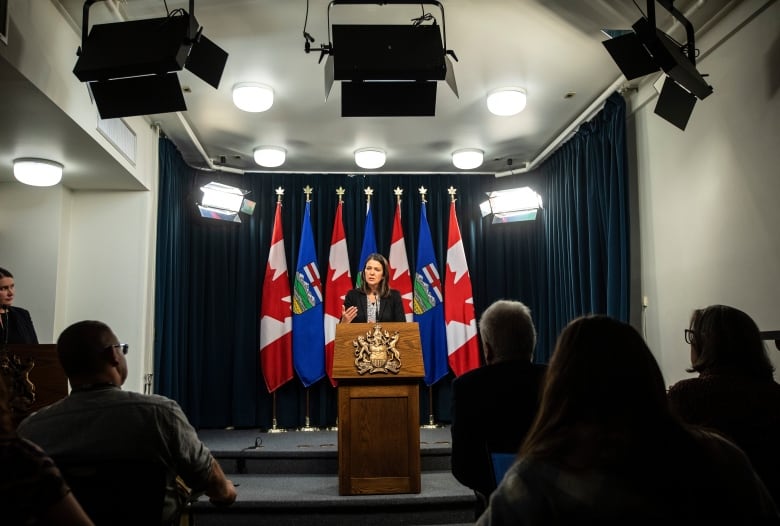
[(16, 325), (374, 301)]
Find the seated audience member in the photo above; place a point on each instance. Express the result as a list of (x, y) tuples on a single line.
[(493, 406), (735, 392), (32, 490), (606, 448), (99, 421)]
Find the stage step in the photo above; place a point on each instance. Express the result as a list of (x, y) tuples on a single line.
[(292, 479), (313, 499)]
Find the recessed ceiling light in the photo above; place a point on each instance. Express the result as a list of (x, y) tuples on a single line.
[(467, 158), (37, 172), (506, 101), (270, 156), (370, 158), (253, 97)]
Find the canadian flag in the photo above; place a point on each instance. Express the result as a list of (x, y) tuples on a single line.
[(276, 314), (400, 279), (337, 284), (462, 346)]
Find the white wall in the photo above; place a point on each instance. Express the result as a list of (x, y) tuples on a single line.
[(709, 214), (80, 255), (29, 247)]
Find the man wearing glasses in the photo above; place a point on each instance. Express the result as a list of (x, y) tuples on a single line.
[(100, 421)]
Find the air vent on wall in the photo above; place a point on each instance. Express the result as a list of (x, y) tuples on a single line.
[(120, 135)]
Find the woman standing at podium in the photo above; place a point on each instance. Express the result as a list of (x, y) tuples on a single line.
[(16, 325), (373, 301)]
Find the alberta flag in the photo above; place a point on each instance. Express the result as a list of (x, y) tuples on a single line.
[(459, 315), (275, 314), (307, 322), (428, 306), (369, 244), (399, 278), (338, 283)]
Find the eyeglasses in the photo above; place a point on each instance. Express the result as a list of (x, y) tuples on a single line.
[(690, 336), (122, 346)]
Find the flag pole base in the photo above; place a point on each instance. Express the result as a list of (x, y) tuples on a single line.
[(307, 426), (275, 429), (431, 424)]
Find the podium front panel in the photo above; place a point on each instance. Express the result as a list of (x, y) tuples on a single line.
[(379, 438)]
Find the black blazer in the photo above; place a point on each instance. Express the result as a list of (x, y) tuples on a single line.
[(391, 308), (492, 410), (20, 327)]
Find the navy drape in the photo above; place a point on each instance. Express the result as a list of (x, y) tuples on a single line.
[(573, 260)]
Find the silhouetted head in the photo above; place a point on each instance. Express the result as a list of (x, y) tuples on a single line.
[(725, 340), (507, 332)]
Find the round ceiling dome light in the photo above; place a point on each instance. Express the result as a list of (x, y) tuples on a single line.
[(37, 172), (370, 158), (253, 97), (506, 101), (270, 156), (467, 158)]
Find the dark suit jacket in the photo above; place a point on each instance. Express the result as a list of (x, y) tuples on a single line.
[(390, 308), (492, 409), (20, 327)]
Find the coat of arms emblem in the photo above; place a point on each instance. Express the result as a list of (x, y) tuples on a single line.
[(376, 352)]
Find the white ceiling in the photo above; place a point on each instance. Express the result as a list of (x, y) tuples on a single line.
[(552, 48)]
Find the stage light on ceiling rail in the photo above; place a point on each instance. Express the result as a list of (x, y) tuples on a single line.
[(130, 67), (646, 50), (387, 70)]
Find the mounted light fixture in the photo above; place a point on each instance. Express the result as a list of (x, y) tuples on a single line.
[(223, 202), (506, 101), (646, 50), (130, 67), (370, 158), (468, 158), (510, 206), (270, 156), (253, 97), (387, 70), (37, 172)]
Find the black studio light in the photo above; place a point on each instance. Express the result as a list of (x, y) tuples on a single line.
[(130, 67), (387, 70), (647, 49)]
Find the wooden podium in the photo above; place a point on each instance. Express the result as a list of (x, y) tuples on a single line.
[(45, 374), (378, 407)]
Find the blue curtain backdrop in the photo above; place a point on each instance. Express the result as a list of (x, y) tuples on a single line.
[(573, 260)]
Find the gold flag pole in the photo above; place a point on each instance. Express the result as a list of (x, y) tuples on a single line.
[(307, 420), (340, 191), (431, 421), (274, 428)]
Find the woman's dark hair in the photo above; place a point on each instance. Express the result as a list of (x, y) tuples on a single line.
[(384, 288), (604, 397), (726, 340), (5, 274)]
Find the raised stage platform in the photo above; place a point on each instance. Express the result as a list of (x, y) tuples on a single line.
[(292, 478)]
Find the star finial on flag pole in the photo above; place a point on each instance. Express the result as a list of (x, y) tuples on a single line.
[(279, 193), (423, 191), (398, 193), (369, 192), (308, 190), (340, 192), (451, 190)]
